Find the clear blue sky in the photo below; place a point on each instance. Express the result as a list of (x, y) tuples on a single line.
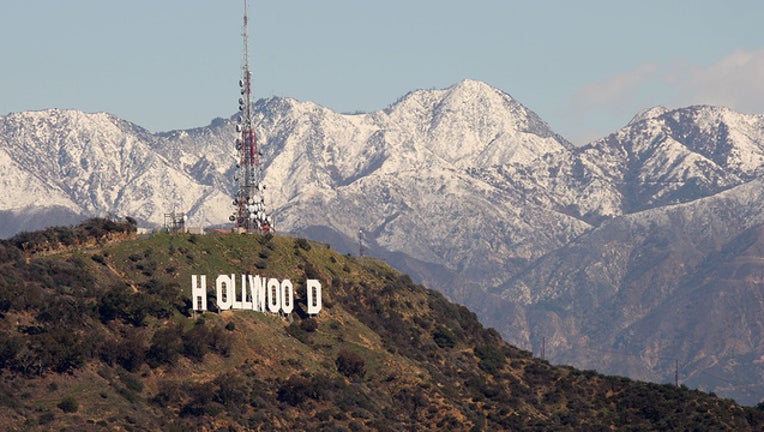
[(586, 67)]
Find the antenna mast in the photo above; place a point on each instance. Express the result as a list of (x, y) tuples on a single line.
[(249, 203)]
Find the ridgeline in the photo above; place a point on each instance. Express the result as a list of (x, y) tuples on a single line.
[(98, 334)]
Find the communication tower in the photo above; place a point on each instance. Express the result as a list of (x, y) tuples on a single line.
[(249, 213)]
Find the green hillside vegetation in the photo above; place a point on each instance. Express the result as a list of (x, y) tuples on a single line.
[(97, 334)]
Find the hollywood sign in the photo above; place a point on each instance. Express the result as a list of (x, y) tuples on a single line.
[(255, 293)]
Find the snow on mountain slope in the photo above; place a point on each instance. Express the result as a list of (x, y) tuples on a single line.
[(662, 157), (390, 172), (20, 189), (400, 175), (474, 125), (614, 285), (468, 169), (730, 139), (464, 186), (95, 164), (679, 155)]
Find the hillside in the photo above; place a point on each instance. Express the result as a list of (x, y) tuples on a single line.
[(98, 335)]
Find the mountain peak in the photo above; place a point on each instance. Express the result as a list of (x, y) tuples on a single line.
[(474, 124), (475, 87), (714, 135), (648, 113), (59, 115), (472, 91)]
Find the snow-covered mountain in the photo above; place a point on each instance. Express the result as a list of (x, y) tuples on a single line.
[(685, 209), (465, 189), (93, 165), (641, 292)]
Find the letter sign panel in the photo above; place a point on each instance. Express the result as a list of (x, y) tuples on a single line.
[(199, 293), (314, 296), (256, 293), (287, 296), (274, 297), (224, 288)]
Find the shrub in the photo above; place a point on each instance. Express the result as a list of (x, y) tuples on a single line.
[(303, 244), (201, 339), (115, 300), (312, 272), (350, 364), (221, 341), (296, 389), (444, 338), (196, 342), (68, 405), (411, 399), (309, 325), (9, 253), (46, 418), (130, 351), (166, 346), (169, 392), (169, 292), (491, 358), (201, 403), (131, 382), (297, 332), (232, 389)]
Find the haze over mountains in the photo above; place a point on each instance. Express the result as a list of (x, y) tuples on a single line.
[(630, 254)]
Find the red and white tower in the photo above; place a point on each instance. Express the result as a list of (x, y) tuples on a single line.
[(250, 212)]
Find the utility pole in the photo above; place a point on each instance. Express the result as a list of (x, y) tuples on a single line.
[(543, 347), (360, 242)]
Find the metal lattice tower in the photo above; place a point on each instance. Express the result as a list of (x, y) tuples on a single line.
[(249, 203)]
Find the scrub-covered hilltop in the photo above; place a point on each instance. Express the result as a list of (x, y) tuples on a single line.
[(98, 334)]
